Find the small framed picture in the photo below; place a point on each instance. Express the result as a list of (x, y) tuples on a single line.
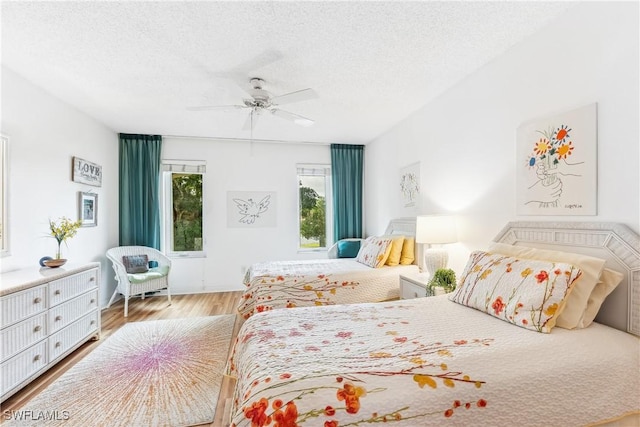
[(88, 209)]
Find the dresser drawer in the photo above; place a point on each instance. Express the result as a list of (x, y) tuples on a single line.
[(22, 366), (68, 337), (65, 313), (20, 305), (19, 336), (64, 289), (53, 313)]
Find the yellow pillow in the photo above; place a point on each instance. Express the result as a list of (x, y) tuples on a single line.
[(576, 302), (408, 248), (395, 250)]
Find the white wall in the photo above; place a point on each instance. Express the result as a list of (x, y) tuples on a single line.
[(242, 166), (465, 139), (44, 134)]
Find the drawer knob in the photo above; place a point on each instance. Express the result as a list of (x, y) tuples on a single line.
[(58, 318), (37, 328), (57, 292), (36, 358), (37, 300), (92, 279), (58, 344), (92, 300), (92, 322)]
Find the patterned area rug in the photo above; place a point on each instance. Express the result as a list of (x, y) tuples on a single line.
[(153, 373)]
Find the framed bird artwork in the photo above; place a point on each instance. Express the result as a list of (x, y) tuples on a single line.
[(251, 209)]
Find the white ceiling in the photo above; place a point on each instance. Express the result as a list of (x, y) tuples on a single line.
[(137, 66)]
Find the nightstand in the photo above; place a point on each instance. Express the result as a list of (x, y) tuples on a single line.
[(414, 286)]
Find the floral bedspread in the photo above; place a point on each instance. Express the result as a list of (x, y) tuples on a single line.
[(423, 362), (303, 283)]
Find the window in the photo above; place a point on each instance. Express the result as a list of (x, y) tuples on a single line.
[(315, 214), (183, 221)]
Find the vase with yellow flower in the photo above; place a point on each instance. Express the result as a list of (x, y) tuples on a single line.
[(61, 230)]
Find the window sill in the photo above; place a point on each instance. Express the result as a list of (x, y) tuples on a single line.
[(312, 251), (183, 255)]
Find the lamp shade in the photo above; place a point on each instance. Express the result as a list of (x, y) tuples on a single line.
[(436, 229)]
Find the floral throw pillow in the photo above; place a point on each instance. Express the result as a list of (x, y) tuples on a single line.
[(374, 251), (528, 293)]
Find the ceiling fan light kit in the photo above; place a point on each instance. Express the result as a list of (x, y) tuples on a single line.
[(262, 100)]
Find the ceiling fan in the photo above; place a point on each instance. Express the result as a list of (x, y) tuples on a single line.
[(262, 101)]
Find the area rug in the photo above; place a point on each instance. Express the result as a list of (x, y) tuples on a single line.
[(152, 373)]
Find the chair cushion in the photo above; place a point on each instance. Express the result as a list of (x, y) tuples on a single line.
[(136, 263), (152, 273)]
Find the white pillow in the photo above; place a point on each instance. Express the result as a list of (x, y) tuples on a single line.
[(609, 280), (576, 302), (374, 251)]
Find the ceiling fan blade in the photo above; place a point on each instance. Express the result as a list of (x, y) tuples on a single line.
[(248, 69), (216, 107), (297, 96), (297, 119), (251, 66)]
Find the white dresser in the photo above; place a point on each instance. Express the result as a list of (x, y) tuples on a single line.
[(45, 314)]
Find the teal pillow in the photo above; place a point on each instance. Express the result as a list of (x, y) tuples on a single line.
[(348, 248)]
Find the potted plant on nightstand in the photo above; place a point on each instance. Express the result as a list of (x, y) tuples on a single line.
[(444, 278)]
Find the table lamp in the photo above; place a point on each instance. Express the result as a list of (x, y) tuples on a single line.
[(435, 230)]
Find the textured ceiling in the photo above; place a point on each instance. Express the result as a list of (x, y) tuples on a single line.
[(137, 66)]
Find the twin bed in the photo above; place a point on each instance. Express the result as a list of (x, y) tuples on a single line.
[(486, 354), (318, 282)]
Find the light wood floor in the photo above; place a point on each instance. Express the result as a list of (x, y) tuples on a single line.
[(152, 308)]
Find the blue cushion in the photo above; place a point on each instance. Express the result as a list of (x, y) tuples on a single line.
[(348, 248)]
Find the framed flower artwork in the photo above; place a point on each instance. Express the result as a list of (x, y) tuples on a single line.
[(557, 164)]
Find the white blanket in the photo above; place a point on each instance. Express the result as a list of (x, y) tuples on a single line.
[(427, 362)]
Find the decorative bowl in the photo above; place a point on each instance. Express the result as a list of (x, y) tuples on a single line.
[(54, 263)]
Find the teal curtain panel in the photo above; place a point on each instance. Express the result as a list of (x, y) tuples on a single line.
[(140, 165), (346, 175)]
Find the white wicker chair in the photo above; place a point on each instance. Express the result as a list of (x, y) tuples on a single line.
[(126, 287)]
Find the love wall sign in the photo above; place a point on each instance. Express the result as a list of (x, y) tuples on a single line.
[(86, 172)]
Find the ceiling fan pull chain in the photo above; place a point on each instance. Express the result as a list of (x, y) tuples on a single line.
[(251, 134)]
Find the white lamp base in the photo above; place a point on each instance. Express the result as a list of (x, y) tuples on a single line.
[(435, 258)]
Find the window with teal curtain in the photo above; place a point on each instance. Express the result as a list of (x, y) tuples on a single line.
[(346, 175), (140, 165)]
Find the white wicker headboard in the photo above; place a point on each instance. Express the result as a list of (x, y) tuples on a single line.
[(406, 226), (614, 242)]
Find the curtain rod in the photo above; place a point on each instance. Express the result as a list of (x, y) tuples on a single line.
[(264, 141)]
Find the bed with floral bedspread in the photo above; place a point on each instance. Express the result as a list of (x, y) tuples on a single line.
[(288, 284), (426, 362)]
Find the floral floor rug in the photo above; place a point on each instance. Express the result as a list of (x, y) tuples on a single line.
[(152, 373)]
